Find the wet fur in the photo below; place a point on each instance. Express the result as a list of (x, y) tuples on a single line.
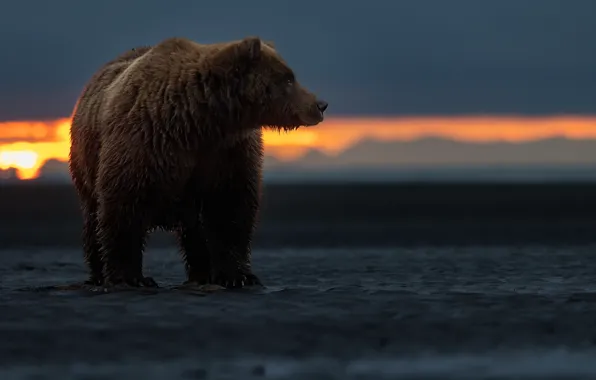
[(170, 137)]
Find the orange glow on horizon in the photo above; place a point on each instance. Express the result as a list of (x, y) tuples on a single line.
[(31, 143), (27, 145)]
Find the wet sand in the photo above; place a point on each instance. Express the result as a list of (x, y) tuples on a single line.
[(362, 282)]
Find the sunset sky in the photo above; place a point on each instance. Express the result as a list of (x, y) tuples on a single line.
[(464, 69)]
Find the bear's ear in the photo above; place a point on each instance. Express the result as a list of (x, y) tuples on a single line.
[(249, 49), (238, 56)]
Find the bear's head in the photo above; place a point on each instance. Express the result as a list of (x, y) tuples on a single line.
[(261, 87)]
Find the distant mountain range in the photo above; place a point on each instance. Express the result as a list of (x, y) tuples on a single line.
[(439, 159), (429, 158), (438, 152)]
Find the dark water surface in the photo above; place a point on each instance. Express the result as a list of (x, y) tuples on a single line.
[(476, 312), (352, 215)]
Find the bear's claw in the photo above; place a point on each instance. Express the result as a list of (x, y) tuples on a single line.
[(238, 280), (135, 282), (94, 281)]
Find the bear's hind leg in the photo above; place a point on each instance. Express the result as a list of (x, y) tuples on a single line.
[(122, 237), (194, 251), (229, 215), (90, 243)]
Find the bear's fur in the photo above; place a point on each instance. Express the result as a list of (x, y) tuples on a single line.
[(169, 137)]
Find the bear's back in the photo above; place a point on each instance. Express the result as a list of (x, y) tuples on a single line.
[(148, 86), (90, 100), (168, 61), (111, 70)]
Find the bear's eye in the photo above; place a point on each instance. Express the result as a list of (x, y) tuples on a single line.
[(289, 84)]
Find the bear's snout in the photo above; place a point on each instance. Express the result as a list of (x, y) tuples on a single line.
[(322, 105)]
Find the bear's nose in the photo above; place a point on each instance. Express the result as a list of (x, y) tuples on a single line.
[(322, 105)]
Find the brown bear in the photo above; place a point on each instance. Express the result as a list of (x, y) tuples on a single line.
[(170, 136)]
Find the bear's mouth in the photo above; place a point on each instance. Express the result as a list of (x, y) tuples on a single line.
[(311, 122)]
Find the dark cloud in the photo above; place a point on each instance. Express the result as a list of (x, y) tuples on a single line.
[(373, 57)]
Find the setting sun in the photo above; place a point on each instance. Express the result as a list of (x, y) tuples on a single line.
[(24, 160), (27, 145)]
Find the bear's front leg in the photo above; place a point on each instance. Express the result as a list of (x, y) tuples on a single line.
[(122, 238), (229, 217), (194, 251)]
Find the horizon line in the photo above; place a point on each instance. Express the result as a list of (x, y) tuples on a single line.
[(383, 116)]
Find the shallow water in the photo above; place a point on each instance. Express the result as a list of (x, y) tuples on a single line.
[(523, 312)]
